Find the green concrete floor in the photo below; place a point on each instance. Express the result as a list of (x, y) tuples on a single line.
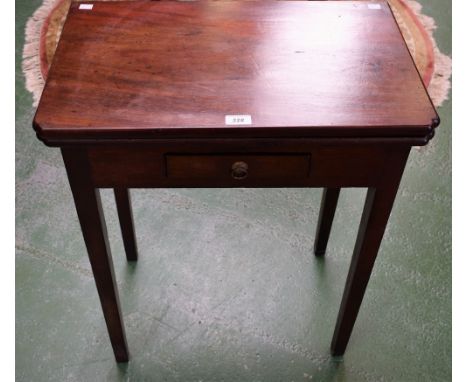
[(227, 287)]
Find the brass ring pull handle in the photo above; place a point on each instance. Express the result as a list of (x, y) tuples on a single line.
[(239, 170)]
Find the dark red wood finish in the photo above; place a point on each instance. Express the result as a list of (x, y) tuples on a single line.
[(124, 210), (326, 215), (138, 93), (89, 209), (377, 208), (175, 69)]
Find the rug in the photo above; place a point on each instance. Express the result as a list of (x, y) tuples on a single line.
[(45, 25)]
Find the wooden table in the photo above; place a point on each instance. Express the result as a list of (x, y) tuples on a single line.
[(233, 94)]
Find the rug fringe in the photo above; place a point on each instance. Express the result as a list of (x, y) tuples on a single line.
[(31, 57), (440, 84)]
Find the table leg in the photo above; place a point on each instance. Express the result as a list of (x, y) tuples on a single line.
[(89, 209), (326, 214), (124, 210), (377, 209)]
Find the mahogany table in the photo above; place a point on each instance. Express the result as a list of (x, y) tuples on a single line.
[(233, 94)]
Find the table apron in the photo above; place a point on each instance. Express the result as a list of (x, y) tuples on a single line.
[(280, 164)]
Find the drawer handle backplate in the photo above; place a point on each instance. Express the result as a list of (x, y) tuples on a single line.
[(239, 170)]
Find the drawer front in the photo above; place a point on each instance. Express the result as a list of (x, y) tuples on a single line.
[(238, 167)]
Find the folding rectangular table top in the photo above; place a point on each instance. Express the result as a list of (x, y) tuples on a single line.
[(181, 69)]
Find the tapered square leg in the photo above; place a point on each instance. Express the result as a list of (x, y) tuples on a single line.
[(124, 210), (88, 207), (326, 215), (377, 209)]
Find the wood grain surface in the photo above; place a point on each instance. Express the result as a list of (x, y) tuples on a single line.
[(175, 69)]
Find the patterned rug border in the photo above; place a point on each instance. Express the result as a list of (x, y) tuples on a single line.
[(427, 75)]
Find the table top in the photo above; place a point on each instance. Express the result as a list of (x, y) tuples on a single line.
[(127, 70)]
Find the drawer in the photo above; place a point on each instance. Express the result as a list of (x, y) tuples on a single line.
[(238, 167)]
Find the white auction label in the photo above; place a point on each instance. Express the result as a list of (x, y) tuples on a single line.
[(238, 120), (374, 6), (86, 6)]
